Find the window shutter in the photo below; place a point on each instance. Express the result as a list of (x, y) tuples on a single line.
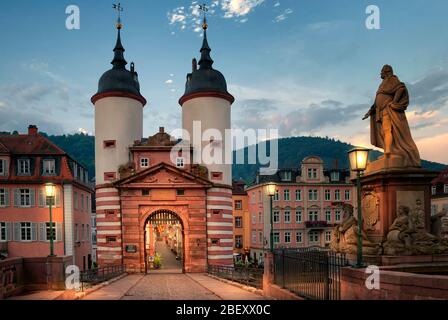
[(17, 198), (9, 226), (57, 198), (58, 231), (6, 197), (33, 231), (42, 231), (33, 197), (17, 236), (41, 198)]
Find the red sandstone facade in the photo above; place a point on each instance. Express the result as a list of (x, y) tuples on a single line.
[(27, 163), (151, 186)]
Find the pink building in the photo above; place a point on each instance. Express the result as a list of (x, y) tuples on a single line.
[(27, 163), (307, 205)]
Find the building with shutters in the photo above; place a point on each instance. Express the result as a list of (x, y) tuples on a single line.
[(241, 221), (27, 163)]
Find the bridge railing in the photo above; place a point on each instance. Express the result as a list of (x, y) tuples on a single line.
[(252, 277), (98, 275)]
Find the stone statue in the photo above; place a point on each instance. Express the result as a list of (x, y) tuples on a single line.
[(389, 128), (408, 236), (345, 236), (437, 225)]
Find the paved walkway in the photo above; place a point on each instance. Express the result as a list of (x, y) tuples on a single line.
[(171, 287), (169, 262)]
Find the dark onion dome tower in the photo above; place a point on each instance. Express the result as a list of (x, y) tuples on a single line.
[(118, 115), (207, 102)]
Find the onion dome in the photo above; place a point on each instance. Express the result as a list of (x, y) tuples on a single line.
[(118, 81), (205, 81)]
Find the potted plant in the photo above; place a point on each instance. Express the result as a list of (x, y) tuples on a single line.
[(157, 261)]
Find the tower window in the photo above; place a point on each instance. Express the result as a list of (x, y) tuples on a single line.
[(217, 175), (216, 211), (180, 162), (215, 242), (180, 192), (109, 176), (144, 162), (145, 192), (111, 239), (108, 144)]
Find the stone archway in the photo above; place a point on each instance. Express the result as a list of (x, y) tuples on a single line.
[(164, 242)]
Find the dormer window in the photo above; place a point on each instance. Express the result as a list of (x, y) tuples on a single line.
[(312, 173), (24, 167), (286, 176), (433, 190), (335, 176), (445, 188), (49, 167), (2, 167), (144, 162)]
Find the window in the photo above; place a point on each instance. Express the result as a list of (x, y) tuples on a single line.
[(337, 195), (260, 237), (238, 204), (49, 167), (298, 195), (3, 231), (75, 200), (24, 167), (88, 233), (327, 195), (299, 216), (276, 216), (25, 197), (286, 176), (145, 192), (216, 212), (313, 236), (25, 231), (312, 195), (335, 176), (276, 196), (238, 222), (82, 202), (252, 199), (347, 195), (238, 241), (180, 192), (48, 231), (109, 144), (180, 162), (260, 197), (445, 188), (215, 175), (337, 215), (287, 216), (2, 167), (313, 215), (312, 173), (254, 218), (286, 195), (4, 198), (260, 217), (299, 237), (109, 176), (276, 237), (433, 190), (77, 233), (83, 233), (287, 237), (144, 162), (254, 237), (111, 239), (327, 236), (328, 215)]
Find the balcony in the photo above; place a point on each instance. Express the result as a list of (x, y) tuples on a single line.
[(317, 224)]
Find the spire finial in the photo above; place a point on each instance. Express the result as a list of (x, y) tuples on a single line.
[(206, 61), (119, 10)]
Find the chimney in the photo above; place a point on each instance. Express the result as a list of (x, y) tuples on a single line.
[(336, 164), (32, 129), (161, 130)]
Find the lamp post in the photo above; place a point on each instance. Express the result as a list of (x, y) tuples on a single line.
[(50, 191), (271, 192), (358, 162)]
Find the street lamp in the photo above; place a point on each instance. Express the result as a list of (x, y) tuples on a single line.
[(271, 188), (358, 162), (50, 191)]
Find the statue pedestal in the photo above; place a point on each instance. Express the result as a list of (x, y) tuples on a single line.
[(385, 189)]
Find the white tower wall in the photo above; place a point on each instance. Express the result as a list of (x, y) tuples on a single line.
[(117, 119)]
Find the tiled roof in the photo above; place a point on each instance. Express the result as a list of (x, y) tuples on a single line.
[(35, 144), (442, 178)]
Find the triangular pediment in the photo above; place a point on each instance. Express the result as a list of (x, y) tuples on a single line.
[(163, 174)]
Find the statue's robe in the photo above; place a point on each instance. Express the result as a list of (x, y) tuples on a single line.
[(393, 98)]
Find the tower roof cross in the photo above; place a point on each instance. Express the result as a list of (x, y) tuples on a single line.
[(117, 7)]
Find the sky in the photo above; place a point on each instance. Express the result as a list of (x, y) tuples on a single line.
[(306, 67)]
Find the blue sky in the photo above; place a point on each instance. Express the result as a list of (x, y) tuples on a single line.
[(305, 67)]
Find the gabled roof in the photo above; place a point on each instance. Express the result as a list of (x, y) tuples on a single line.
[(442, 177), (3, 148), (187, 175), (34, 144)]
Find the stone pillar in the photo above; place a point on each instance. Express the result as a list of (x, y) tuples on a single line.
[(385, 190), (56, 267), (268, 276)]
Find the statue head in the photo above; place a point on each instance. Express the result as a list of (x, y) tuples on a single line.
[(403, 211), (348, 211), (387, 71), (418, 202)]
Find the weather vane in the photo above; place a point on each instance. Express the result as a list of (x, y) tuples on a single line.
[(119, 10), (204, 9)]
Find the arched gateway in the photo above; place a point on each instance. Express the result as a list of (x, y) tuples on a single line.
[(164, 242)]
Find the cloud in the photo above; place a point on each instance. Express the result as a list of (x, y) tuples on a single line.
[(169, 81), (431, 91), (238, 8), (283, 16)]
